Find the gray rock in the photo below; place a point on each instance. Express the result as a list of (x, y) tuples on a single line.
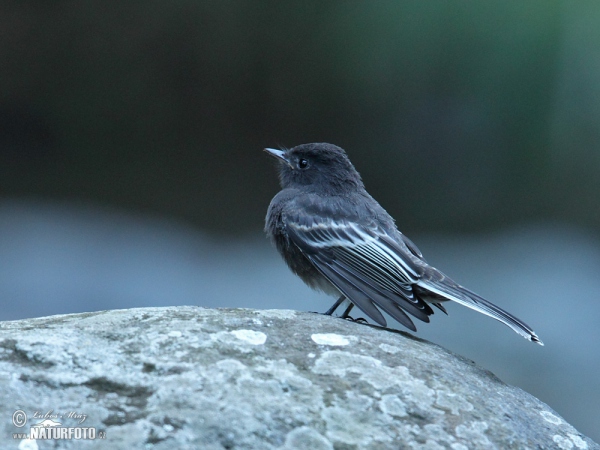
[(188, 377)]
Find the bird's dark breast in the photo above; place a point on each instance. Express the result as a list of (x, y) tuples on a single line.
[(293, 256), (299, 263), (295, 259)]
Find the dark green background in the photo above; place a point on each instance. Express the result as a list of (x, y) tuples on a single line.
[(459, 115)]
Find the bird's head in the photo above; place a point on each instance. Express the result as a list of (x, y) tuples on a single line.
[(320, 167)]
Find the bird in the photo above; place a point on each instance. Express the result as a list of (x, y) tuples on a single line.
[(339, 240)]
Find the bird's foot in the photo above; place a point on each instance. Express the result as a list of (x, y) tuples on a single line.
[(358, 320)]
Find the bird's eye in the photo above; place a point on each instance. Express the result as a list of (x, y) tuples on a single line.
[(302, 163)]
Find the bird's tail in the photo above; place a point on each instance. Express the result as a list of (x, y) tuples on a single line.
[(442, 286)]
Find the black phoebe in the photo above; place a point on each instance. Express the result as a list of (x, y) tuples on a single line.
[(337, 238)]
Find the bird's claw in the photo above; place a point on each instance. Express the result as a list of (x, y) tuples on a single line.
[(358, 320)]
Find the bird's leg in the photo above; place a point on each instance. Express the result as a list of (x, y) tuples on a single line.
[(335, 305), (346, 313)]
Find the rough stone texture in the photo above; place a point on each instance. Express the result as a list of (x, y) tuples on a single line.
[(189, 377)]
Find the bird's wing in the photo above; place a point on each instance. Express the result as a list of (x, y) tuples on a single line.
[(374, 268), (364, 262)]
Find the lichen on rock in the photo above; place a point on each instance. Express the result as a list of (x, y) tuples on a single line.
[(189, 377)]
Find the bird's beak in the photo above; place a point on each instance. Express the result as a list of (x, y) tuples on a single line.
[(279, 154)]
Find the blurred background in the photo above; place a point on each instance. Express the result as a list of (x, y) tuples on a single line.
[(131, 170)]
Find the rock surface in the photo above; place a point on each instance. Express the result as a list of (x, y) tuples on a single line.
[(188, 377)]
